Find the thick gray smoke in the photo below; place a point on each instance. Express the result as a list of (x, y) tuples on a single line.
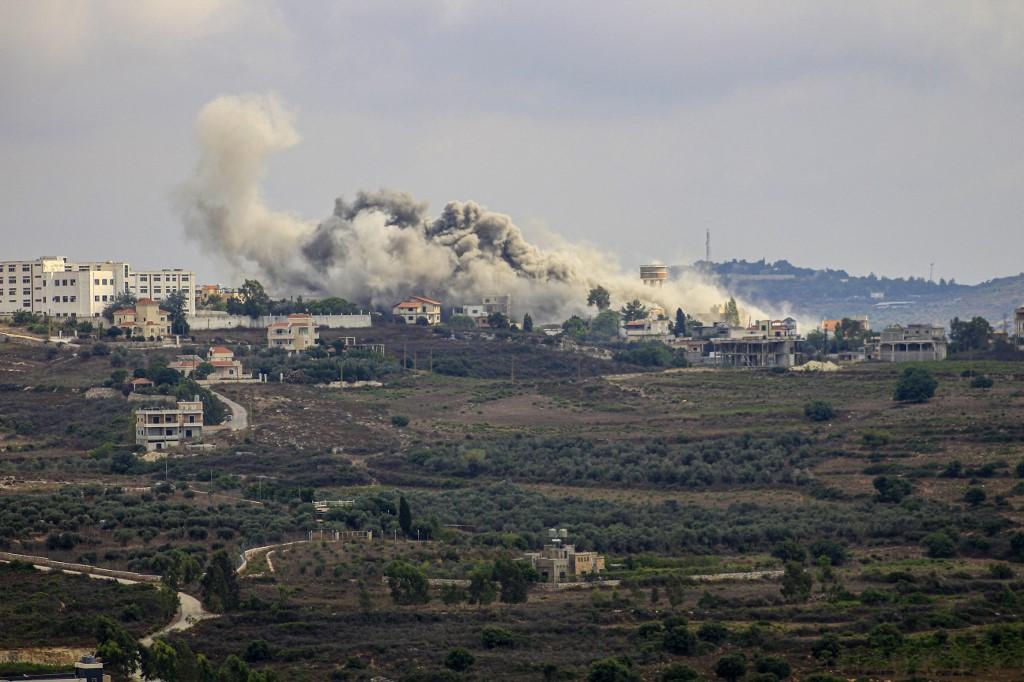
[(382, 246)]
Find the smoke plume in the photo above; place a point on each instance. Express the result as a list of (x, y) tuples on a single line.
[(382, 246)]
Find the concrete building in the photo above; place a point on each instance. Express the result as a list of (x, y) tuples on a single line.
[(1018, 326), (489, 304), (754, 351), (54, 286), (654, 275), (159, 284), (296, 333), (647, 329), (160, 428), (560, 563), (88, 669), (774, 329), (147, 320), (415, 307), (913, 343)]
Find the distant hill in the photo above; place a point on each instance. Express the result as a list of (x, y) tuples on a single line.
[(832, 294)]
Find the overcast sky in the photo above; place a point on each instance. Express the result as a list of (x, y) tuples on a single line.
[(858, 135)]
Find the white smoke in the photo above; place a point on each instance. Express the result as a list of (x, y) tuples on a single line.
[(382, 246)]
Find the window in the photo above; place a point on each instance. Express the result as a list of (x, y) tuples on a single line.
[(12, 280), (65, 299), (26, 292), (144, 290), (97, 282), (26, 268), (10, 268), (26, 280), (96, 298), (72, 282), (156, 278), (74, 299), (56, 299), (143, 277), (157, 290), (105, 297)]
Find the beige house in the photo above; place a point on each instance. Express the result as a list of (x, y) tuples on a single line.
[(160, 428), (146, 320), (297, 333), (560, 563), (415, 307), (225, 366), (912, 343)]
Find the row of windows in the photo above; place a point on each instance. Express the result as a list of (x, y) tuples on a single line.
[(156, 278), (104, 298), (14, 280), (24, 268), (58, 299), (14, 292)]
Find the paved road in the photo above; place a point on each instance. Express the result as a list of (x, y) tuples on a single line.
[(239, 415)]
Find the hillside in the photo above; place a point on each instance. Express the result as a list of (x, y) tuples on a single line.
[(832, 294)]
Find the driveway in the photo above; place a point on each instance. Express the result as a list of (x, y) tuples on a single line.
[(239, 415)]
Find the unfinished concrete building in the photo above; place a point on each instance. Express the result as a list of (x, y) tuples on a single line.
[(913, 343), (654, 275), (754, 351), (559, 562), (1018, 326)]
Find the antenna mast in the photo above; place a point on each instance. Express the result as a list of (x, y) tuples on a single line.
[(707, 246)]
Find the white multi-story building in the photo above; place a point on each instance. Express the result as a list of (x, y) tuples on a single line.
[(159, 284), (159, 428), (55, 287)]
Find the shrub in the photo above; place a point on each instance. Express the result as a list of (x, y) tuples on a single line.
[(885, 638), (713, 632), (939, 545), (915, 385), (493, 637), (974, 496), (981, 381), (827, 648), (679, 673), (458, 660), (1000, 571), (399, 421), (680, 641), (731, 667), (891, 489), (819, 411), (611, 670), (790, 551), (775, 666)]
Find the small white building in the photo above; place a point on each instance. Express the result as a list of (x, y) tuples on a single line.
[(296, 333), (161, 428), (225, 366)]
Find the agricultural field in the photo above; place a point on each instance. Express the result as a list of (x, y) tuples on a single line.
[(879, 540)]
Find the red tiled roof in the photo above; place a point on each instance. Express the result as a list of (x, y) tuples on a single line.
[(145, 301), (140, 381), (124, 311), (300, 315), (221, 350), (223, 363), (277, 324)]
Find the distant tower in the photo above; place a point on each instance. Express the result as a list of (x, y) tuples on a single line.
[(707, 246), (654, 275)]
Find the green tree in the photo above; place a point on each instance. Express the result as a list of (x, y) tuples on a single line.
[(611, 670), (515, 578), (827, 649), (254, 300), (679, 328), (459, 660), (408, 583), (605, 325), (891, 488), (124, 299), (773, 665), (220, 583), (967, 336), (462, 322), (885, 638), (790, 550), (181, 569), (498, 320), (527, 323), (176, 305), (915, 385), (796, 583), (679, 640), (574, 326), (731, 315), (634, 310), (599, 298), (204, 370), (160, 662), (404, 516), (118, 649), (731, 667), (482, 588)]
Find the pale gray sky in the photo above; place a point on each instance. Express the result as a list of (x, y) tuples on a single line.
[(870, 136)]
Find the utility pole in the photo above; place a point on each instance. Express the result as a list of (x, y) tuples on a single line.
[(931, 272), (707, 246)]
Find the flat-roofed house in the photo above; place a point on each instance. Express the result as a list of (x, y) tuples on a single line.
[(160, 428)]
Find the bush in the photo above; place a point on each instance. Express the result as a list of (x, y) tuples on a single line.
[(891, 489), (939, 545), (493, 637), (679, 673), (731, 667), (981, 381), (790, 551), (775, 666), (713, 632), (819, 411), (916, 385), (885, 638), (458, 660), (1000, 571), (611, 670), (974, 496), (399, 421)]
